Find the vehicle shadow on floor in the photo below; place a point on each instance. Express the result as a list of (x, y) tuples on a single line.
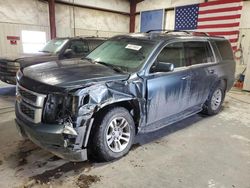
[(29, 161), (145, 138)]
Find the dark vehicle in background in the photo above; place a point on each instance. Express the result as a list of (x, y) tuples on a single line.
[(56, 49), (130, 84)]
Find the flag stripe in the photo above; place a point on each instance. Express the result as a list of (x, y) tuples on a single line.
[(218, 2), (233, 43), (221, 33), (234, 48), (230, 13), (233, 40), (227, 5), (220, 10), (221, 30), (219, 25), (219, 18), (219, 22)]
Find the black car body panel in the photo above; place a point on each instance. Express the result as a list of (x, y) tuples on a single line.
[(10, 65), (68, 73), (72, 94)]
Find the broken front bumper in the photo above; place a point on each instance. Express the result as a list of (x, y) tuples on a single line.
[(52, 138)]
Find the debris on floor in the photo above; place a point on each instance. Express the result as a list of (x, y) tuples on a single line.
[(84, 181)]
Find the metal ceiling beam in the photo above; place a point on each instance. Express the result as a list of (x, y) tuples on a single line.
[(52, 19), (133, 4), (90, 7)]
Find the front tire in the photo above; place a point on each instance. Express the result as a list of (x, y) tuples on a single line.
[(215, 99), (113, 135)]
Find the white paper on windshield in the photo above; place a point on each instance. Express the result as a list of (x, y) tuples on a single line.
[(133, 47)]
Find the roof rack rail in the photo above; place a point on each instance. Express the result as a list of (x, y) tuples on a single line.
[(197, 33), (152, 30), (167, 31)]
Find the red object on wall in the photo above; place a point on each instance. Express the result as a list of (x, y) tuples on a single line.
[(13, 42), (13, 38)]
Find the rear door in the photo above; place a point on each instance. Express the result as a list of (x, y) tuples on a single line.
[(200, 58)]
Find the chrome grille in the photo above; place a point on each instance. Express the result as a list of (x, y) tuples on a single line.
[(31, 97), (27, 95), (27, 111), (30, 104)]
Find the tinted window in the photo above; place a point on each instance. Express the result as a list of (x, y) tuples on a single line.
[(54, 45), (197, 52), (94, 43), (79, 47), (172, 53), (225, 49)]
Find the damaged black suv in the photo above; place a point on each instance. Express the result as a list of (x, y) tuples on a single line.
[(130, 84)]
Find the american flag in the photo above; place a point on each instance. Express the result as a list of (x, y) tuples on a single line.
[(220, 18)]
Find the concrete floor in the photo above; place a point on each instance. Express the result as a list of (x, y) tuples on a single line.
[(200, 151)]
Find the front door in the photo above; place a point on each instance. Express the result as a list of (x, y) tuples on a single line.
[(168, 92)]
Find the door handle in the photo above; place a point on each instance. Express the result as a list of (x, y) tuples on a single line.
[(211, 71)]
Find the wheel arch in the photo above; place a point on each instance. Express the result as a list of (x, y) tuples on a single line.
[(223, 81), (132, 106)]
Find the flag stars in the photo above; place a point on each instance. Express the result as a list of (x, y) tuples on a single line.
[(186, 17)]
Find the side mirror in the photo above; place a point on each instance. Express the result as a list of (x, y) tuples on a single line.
[(163, 67), (68, 53)]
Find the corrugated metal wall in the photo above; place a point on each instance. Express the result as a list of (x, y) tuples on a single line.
[(89, 22), (16, 15), (11, 29), (245, 30)]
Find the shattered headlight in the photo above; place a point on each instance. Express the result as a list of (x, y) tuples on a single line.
[(75, 101), (79, 101)]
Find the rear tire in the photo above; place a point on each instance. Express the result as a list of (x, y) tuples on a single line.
[(113, 135), (215, 99)]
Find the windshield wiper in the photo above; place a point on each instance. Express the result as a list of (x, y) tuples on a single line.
[(115, 68), (88, 59), (45, 51)]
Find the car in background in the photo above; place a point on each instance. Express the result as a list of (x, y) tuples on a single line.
[(56, 49)]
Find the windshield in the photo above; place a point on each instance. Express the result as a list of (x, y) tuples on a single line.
[(54, 46), (127, 54)]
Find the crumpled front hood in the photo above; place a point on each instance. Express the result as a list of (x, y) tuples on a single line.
[(71, 73)]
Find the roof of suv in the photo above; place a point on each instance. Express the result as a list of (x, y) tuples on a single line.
[(169, 34), (83, 37)]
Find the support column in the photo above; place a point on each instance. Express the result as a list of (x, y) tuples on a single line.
[(52, 19), (132, 16)]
